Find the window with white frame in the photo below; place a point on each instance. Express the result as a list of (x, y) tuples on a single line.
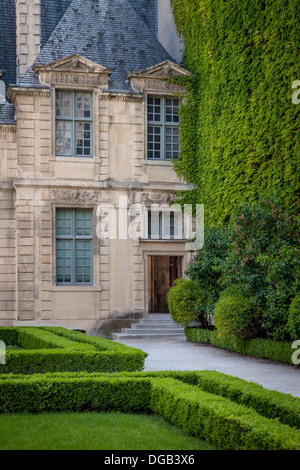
[(164, 224), (162, 128), (74, 246), (73, 123)]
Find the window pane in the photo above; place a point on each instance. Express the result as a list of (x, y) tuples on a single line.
[(63, 261), (73, 137), (83, 138), (83, 261), (172, 106), (154, 142), (63, 137), (83, 107), (83, 223), (63, 104), (172, 142), (63, 222), (154, 224), (154, 109)]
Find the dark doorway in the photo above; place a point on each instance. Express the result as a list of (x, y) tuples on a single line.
[(163, 270)]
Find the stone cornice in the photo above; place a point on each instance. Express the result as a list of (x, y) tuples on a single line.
[(15, 90), (122, 96), (100, 185), (9, 127)]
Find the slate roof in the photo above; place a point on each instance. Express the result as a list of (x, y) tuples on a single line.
[(7, 113), (148, 10), (8, 41), (51, 13), (108, 32)]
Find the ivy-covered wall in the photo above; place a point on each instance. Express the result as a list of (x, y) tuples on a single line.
[(240, 130)]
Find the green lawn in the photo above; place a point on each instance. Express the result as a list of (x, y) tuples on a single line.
[(93, 431)]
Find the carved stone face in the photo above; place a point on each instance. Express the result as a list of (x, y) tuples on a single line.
[(75, 194)]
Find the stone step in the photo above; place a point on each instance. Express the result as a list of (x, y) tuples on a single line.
[(154, 326), (151, 330), (143, 335)]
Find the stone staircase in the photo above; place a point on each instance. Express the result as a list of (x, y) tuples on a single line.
[(157, 325)]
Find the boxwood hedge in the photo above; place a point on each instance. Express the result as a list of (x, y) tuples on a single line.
[(256, 347), (58, 350), (179, 397)]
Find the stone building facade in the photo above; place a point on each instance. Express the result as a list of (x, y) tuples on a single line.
[(88, 129)]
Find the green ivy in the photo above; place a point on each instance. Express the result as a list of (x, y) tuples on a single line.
[(240, 131)]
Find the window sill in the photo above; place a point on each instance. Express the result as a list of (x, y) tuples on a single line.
[(72, 159), (158, 162), (86, 288), (159, 240)]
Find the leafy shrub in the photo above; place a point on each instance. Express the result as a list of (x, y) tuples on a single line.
[(265, 259), (294, 317), (206, 268), (237, 314), (185, 300)]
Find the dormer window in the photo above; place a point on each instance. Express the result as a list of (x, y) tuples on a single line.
[(163, 128), (74, 120)]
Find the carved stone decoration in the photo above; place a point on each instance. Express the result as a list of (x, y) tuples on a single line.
[(75, 196), (73, 70), (154, 78), (156, 198)]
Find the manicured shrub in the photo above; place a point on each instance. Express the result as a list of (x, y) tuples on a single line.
[(51, 350), (218, 420), (236, 314), (256, 347), (185, 300), (59, 393), (234, 414), (268, 403), (100, 344), (9, 335), (37, 338)]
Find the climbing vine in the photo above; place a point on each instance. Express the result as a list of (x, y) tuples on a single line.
[(240, 130)]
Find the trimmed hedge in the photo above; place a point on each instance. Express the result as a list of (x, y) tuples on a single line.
[(60, 393), (99, 344), (207, 415), (218, 420), (256, 347), (57, 350), (268, 403)]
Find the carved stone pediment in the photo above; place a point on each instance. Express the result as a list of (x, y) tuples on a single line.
[(73, 69), (155, 78)]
